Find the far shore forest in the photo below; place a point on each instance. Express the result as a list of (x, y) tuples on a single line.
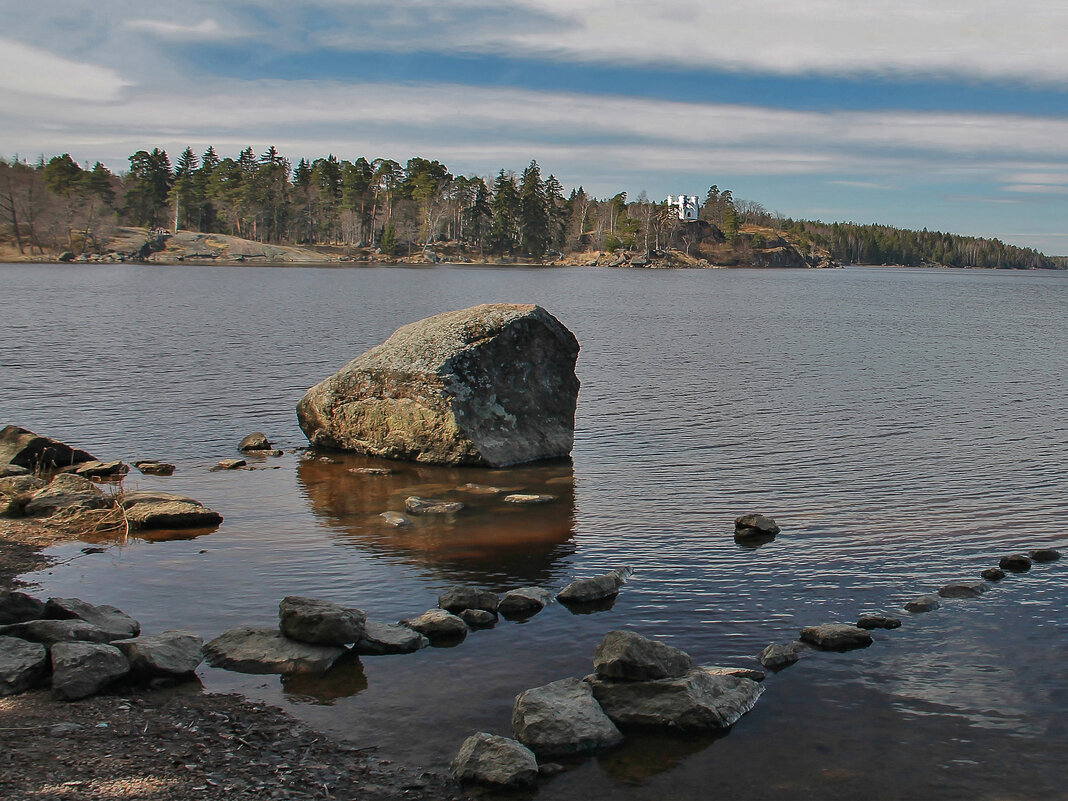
[(55, 205)]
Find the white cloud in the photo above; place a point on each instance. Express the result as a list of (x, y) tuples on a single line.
[(206, 29), (26, 70)]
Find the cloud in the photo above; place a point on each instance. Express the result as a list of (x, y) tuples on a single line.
[(26, 70), (207, 29)]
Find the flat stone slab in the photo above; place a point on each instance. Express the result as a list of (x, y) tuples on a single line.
[(496, 761), (739, 672), (697, 700), (628, 656), (836, 636), (562, 718), (247, 649), (380, 639), (229, 464), (23, 665), (520, 499), (171, 653), (153, 510), (50, 632), (964, 589), (98, 469)]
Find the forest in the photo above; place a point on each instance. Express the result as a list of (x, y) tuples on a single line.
[(56, 205)]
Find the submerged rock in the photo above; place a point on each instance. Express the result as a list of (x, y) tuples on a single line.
[(395, 519), (247, 649), (490, 385), (385, 638), (1045, 555), (924, 603), (878, 622), (598, 588), (23, 448), (628, 656), (431, 506), (836, 636), (562, 718), (498, 761), (520, 499), (698, 699), (964, 589), (80, 669), (1015, 563)]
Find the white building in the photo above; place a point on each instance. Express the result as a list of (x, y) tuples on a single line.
[(686, 206)]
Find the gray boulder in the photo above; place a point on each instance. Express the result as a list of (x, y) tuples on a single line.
[(479, 618), (524, 602), (628, 656), (1015, 563), (437, 625), (81, 669), (66, 492), (247, 649), (755, 526), (964, 589), (18, 607), (319, 622), (431, 506), (115, 622), (171, 653), (385, 638), (598, 588), (699, 699), (25, 449), (836, 636), (778, 655), (496, 761), (878, 622), (562, 718), (490, 385), (153, 510), (457, 599), (50, 632), (256, 441), (924, 603), (23, 665)]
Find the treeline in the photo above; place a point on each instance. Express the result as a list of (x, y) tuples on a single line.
[(55, 204)]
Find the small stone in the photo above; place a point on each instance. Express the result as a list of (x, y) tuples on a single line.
[(740, 672), (755, 526), (924, 603), (67, 727), (595, 589), (836, 636), (1015, 563), (155, 468), (456, 599), (524, 602), (481, 489), (385, 638), (993, 574), (963, 589), (395, 519), (1045, 555), (437, 625), (529, 500), (371, 471), (230, 464), (431, 506), (779, 655), (878, 622), (478, 618)]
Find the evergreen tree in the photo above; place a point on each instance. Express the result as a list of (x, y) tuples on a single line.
[(534, 232), (504, 210)]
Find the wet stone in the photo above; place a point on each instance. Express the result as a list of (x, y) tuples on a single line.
[(993, 574), (836, 636), (431, 506), (964, 589), (779, 655), (924, 603), (1015, 563), (878, 622), (1045, 555)]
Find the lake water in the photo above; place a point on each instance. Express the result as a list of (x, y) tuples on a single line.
[(904, 427)]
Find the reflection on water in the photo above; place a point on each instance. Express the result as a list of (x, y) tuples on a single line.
[(344, 679), (645, 753), (491, 542)]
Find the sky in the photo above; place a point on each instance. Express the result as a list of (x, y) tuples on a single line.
[(945, 114)]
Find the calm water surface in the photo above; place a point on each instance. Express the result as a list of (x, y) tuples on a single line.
[(904, 427)]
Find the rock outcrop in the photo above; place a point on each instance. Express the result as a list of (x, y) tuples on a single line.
[(490, 385), (66, 493)]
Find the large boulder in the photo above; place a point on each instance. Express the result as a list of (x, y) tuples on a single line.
[(66, 493), (598, 588), (246, 649), (115, 622), (171, 653), (496, 761), (25, 449), (489, 385), (22, 665), (152, 510), (319, 622), (18, 607), (628, 656), (380, 639), (562, 718), (80, 669), (699, 699)]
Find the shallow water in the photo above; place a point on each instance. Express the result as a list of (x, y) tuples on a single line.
[(904, 427)]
